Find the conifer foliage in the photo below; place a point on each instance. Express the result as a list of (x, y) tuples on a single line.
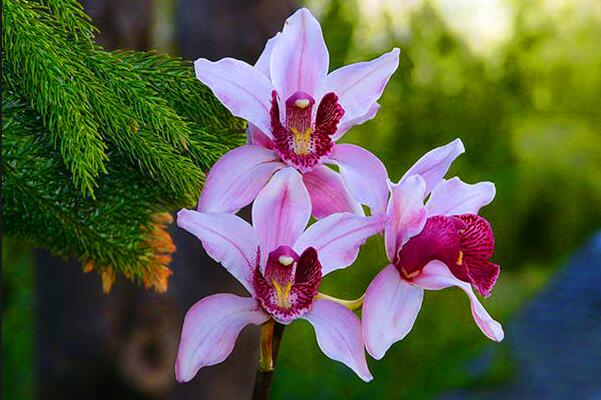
[(99, 146)]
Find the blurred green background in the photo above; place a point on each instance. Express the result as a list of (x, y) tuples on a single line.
[(520, 83)]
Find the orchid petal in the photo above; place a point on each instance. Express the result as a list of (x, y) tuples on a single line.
[(346, 125), (390, 308), (454, 197), (242, 89), (227, 238), (255, 136), (360, 85), (433, 165), (337, 238), (436, 275), (237, 177), (328, 193), (264, 59), (407, 214), (364, 175), (299, 60), (211, 327), (338, 333), (281, 210)]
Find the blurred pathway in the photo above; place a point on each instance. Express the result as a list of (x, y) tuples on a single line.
[(555, 340)]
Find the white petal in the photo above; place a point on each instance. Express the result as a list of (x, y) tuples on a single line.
[(242, 89), (436, 276), (281, 211), (390, 308), (433, 165), (300, 58), (227, 238), (454, 197), (338, 333), (210, 330)]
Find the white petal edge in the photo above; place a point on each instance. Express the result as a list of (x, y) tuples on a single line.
[(436, 276), (338, 332), (211, 328), (227, 239)]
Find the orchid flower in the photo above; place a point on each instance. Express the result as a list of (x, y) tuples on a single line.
[(281, 265), (296, 113), (433, 246)]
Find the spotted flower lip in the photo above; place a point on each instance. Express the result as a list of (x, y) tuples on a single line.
[(431, 246), (288, 285), (280, 262), (296, 112)]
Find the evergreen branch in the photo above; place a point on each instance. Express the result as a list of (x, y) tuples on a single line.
[(174, 78), (119, 121), (75, 22), (53, 75), (148, 107), (212, 134), (144, 76), (152, 113), (41, 205)]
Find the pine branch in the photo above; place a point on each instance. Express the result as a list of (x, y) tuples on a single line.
[(75, 22), (211, 134), (156, 122), (207, 134), (46, 82), (42, 206)]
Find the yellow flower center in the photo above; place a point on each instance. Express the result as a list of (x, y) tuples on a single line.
[(282, 294), (302, 141)]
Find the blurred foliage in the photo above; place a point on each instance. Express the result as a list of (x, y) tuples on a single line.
[(17, 322), (529, 114)]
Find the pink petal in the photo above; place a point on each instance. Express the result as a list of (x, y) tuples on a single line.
[(227, 238), (346, 125), (337, 238), (210, 330), (264, 59), (360, 85), (300, 59), (407, 214), (281, 211), (390, 308), (436, 276), (453, 197), (236, 179), (328, 194), (255, 136), (363, 174), (245, 91), (434, 164), (338, 333)]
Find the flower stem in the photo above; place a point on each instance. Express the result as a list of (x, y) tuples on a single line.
[(271, 337), (350, 304)]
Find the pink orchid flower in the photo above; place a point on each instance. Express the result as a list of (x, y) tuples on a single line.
[(281, 265), (296, 113), (433, 246)]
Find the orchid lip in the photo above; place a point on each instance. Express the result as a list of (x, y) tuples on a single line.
[(463, 242), (306, 136), (288, 286)]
